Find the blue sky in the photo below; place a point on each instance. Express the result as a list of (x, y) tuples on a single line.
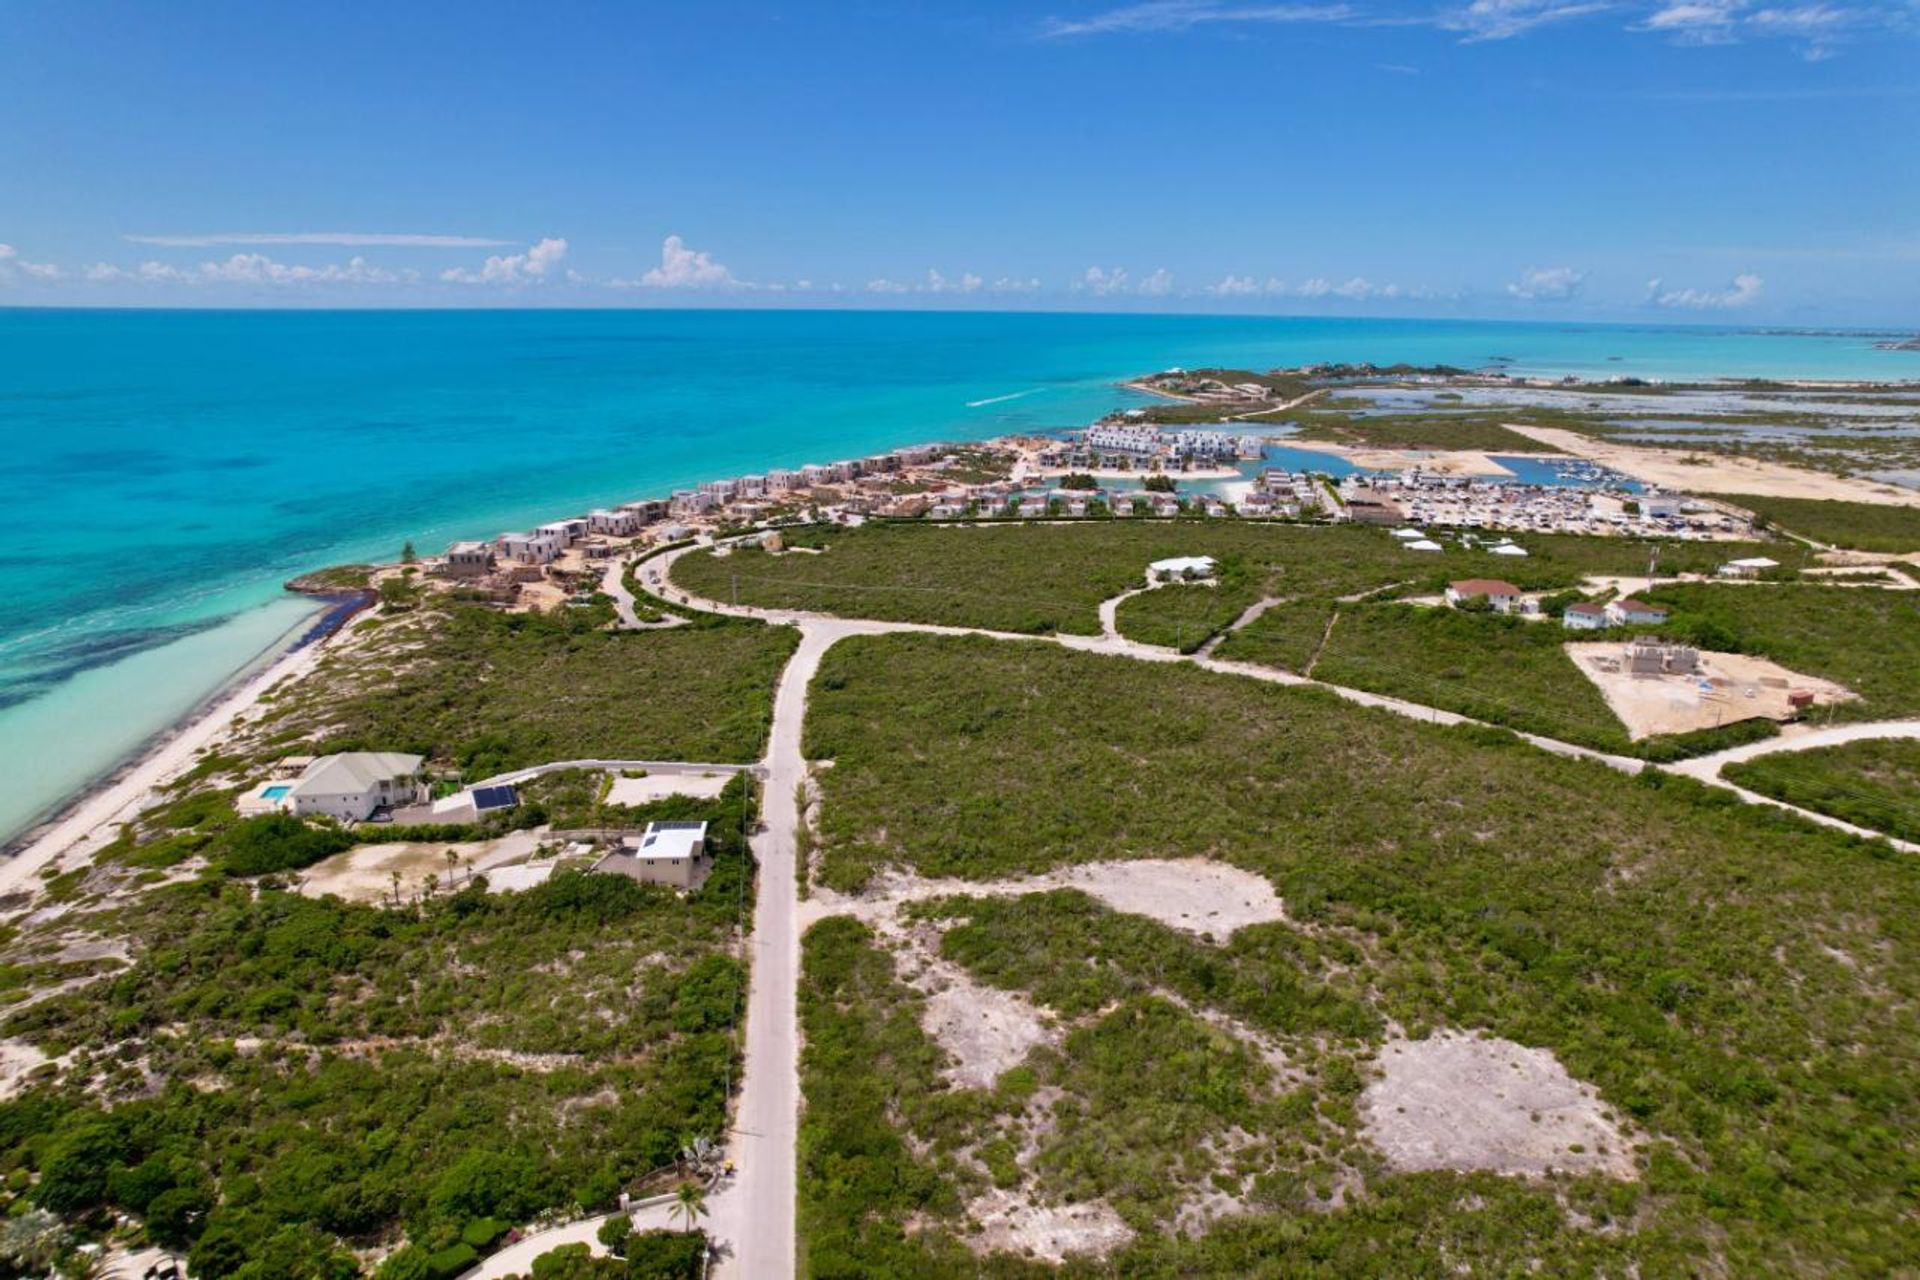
[(1750, 161)]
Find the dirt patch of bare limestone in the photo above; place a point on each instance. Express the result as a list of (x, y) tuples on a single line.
[(1469, 1102)]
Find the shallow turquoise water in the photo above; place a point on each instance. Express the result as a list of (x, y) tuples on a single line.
[(165, 471)]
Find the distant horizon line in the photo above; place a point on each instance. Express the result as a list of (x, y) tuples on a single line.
[(1888, 329)]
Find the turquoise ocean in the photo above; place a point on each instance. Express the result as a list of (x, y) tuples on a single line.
[(166, 471)]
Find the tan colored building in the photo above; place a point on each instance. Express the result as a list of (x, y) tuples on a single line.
[(670, 853)]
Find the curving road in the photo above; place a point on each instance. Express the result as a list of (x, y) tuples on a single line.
[(755, 1219)]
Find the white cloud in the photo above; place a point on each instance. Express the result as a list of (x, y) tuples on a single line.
[(1744, 289), (248, 269), (1157, 285), (1547, 284), (513, 269), (11, 263), (684, 268), (967, 283), (1504, 19), (1010, 284), (1100, 283), (345, 239), (1183, 15), (884, 285)]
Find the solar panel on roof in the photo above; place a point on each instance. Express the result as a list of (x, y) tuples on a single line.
[(485, 798)]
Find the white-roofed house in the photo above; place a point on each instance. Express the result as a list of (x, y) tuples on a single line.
[(1584, 616), (1423, 544), (669, 853), (354, 785), (1180, 569), (1751, 567)]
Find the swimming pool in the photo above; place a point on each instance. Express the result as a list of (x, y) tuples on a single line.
[(275, 792)]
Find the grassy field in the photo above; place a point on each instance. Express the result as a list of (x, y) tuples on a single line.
[(489, 692), (1866, 639), (1858, 526), (1038, 578), (1872, 784), (1740, 985)]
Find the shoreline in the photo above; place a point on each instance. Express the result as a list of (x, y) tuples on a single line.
[(120, 788), (120, 792)]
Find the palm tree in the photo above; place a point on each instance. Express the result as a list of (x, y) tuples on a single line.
[(453, 860), (689, 1204), (429, 883), (395, 873), (468, 864), (697, 1152)]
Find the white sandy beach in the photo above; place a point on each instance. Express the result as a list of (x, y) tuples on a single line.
[(91, 823)]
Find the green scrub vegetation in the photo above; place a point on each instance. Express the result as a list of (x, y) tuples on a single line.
[(1478, 433), (1500, 669), (1720, 972), (1873, 783), (274, 1080), (488, 692), (1857, 526), (1041, 578)]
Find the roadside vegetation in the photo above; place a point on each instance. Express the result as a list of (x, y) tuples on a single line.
[(1856, 526), (1718, 971), (1873, 784)]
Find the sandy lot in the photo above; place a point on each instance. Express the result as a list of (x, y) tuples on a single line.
[(365, 873), (18, 1059), (1010, 1223), (1195, 895), (1739, 688), (658, 786), (1716, 473), (987, 1030), (1465, 1102), (1453, 462)]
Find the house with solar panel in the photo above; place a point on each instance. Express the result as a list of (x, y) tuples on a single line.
[(674, 854)]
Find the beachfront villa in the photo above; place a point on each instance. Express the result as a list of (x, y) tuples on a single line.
[(669, 853), (351, 787), (469, 560), (530, 548), (618, 524)]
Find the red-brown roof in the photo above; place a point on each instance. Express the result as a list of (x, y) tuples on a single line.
[(1483, 587), (1586, 606)]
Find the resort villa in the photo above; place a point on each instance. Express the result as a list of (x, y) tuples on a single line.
[(669, 853), (350, 787), (469, 560)]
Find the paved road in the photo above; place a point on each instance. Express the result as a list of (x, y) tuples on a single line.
[(614, 583), (757, 1218)]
